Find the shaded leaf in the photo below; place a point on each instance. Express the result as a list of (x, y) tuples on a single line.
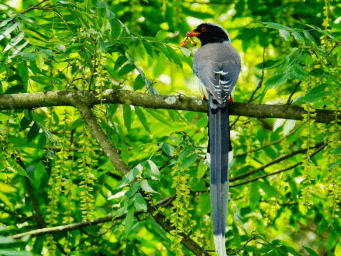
[(129, 220), (298, 37), (188, 161), (174, 56), (161, 35), (142, 118), (140, 204), (285, 34), (127, 116), (146, 187), (33, 132), (204, 203), (126, 69), (276, 81)]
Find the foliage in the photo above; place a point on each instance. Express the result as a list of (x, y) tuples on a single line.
[(53, 167)]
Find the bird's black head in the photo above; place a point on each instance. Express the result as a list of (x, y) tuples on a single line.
[(209, 33)]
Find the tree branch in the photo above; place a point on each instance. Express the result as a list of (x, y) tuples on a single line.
[(37, 213), (278, 159), (272, 143), (65, 98), (100, 136), (278, 171), (293, 92), (119, 164)]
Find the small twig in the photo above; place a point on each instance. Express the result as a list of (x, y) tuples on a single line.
[(33, 7), (277, 160), (278, 171), (293, 92), (243, 246), (335, 45), (38, 216), (272, 143), (74, 77)]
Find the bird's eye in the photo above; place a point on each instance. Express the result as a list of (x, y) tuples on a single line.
[(203, 29)]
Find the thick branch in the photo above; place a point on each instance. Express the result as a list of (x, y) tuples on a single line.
[(100, 136), (65, 98), (119, 164)]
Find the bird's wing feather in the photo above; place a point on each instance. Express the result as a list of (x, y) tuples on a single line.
[(218, 77)]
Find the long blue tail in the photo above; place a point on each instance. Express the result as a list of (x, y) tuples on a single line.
[(219, 143)]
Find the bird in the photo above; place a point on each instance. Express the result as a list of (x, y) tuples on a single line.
[(217, 64)]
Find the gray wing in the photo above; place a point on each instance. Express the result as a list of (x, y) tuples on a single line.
[(218, 77)]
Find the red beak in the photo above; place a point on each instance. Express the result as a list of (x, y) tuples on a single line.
[(193, 33)]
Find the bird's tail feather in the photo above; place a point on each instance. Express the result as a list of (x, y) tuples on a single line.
[(219, 148)]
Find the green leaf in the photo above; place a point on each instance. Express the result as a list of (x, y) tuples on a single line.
[(254, 195), (42, 141), (298, 72), (202, 168), (132, 191), (120, 61), (109, 13), (158, 117), (142, 118), (4, 22), (315, 94), (148, 47), (126, 69), (24, 123), (152, 172), (337, 151), (309, 36), (14, 41), (40, 61), (129, 220), (8, 30), (146, 187), (124, 152), (174, 56), (276, 81), (292, 251), (336, 163), (23, 73), (41, 176), (127, 116), (6, 252), (168, 149), (310, 251), (161, 35), (164, 51), (276, 26), (185, 51), (140, 204), (33, 132), (197, 184), (188, 161), (139, 83), (285, 34), (130, 176), (124, 26), (298, 37), (204, 203), (202, 122)]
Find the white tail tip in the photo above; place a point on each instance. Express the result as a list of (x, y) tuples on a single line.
[(219, 243)]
